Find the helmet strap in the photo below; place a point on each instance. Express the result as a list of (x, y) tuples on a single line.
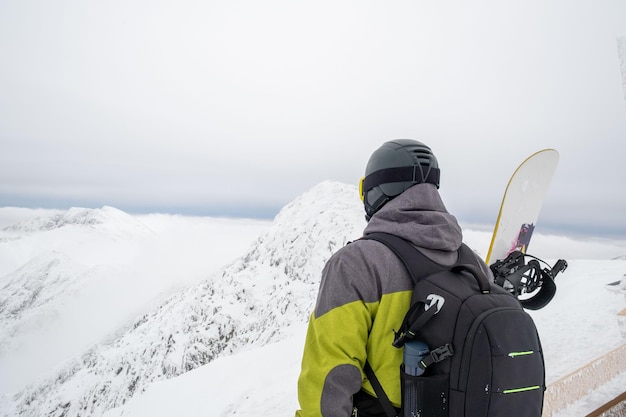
[(370, 209), (401, 174)]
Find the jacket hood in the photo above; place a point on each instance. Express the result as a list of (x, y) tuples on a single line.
[(419, 216)]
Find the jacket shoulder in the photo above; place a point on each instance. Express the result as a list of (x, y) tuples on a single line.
[(362, 270)]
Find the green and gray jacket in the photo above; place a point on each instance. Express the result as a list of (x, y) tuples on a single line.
[(365, 291)]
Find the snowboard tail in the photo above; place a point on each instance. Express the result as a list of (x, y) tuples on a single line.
[(514, 227), (521, 204)]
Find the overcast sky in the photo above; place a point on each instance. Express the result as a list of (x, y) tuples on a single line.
[(237, 107)]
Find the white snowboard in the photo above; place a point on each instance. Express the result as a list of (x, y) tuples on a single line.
[(521, 204)]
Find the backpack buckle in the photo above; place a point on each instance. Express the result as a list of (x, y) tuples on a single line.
[(399, 339), (442, 352), (437, 355)]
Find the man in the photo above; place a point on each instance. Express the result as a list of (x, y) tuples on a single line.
[(365, 290)]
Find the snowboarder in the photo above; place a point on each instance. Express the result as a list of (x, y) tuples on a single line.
[(365, 290)]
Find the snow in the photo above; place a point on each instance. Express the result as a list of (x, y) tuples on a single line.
[(105, 264), (107, 313)]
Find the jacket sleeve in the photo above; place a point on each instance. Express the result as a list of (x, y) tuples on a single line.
[(336, 343)]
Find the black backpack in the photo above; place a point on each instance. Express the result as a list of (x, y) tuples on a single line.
[(485, 354)]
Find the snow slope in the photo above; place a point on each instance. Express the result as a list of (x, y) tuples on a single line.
[(158, 315), (579, 325), (72, 280)]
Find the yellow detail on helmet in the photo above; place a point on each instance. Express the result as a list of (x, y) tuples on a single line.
[(361, 193)]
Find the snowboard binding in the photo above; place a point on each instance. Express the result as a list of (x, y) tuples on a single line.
[(532, 286)]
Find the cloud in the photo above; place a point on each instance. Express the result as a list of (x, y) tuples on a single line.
[(231, 104)]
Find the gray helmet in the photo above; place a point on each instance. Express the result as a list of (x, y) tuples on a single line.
[(394, 167)]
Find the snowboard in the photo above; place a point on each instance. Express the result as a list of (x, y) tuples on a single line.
[(521, 205), (514, 227)]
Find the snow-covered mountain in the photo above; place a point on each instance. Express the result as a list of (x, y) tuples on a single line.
[(101, 307), (249, 303)]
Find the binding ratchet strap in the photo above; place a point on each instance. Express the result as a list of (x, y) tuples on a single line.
[(532, 286)]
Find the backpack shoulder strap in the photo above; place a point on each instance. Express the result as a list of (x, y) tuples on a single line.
[(420, 266), (385, 402)]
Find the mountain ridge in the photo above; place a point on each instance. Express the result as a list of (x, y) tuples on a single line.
[(246, 304)]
